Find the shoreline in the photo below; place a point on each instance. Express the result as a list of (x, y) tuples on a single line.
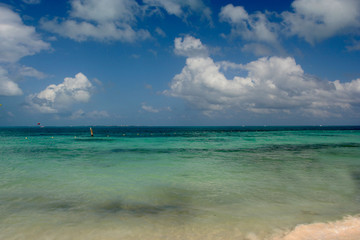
[(189, 185), (347, 228)]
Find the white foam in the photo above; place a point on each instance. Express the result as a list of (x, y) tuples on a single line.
[(345, 229)]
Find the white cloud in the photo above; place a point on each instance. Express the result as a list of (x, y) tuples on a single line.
[(7, 86), (160, 32), (59, 97), (12, 73), (99, 20), (316, 20), (312, 20), (181, 8), (270, 85), (233, 14), (97, 81), (105, 10), (101, 31), (355, 46), (78, 114), (172, 7), (135, 56), (110, 20), (98, 114), (250, 27), (189, 46), (10, 114), (149, 108), (257, 49), (16, 39), (27, 71), (31, 1), (94, 114)]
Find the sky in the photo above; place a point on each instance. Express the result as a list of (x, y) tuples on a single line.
[(179, 62)]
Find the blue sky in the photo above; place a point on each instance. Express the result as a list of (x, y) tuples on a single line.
[(173, 62)]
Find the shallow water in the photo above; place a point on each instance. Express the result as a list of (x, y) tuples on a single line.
[(176, 183)]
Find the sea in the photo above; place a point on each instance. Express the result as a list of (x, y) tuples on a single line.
[(154, 183)]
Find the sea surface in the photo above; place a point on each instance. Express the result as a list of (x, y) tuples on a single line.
[(173, 183)]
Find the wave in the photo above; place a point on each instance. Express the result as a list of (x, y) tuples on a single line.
[(346, 229)]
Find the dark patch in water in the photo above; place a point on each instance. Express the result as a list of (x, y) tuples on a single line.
[(265, 148), (94, 139), (309, 212), (62, 206), (174, 201), (356, 177), (157, 150), (301, 147), (116, 207)]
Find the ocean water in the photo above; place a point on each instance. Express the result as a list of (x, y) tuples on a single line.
[(180, 183)]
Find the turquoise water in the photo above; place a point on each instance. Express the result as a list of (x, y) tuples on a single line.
[(175, 183)]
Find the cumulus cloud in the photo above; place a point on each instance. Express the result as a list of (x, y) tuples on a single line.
[(59, 97), (189, 46), (101, 31), (11, 73), (16, 39), (181, 8), (7, 86), (312, 20), (253, 27), (315, 20), (106, 10), (99, 20), (116, 20), (271, 84)]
